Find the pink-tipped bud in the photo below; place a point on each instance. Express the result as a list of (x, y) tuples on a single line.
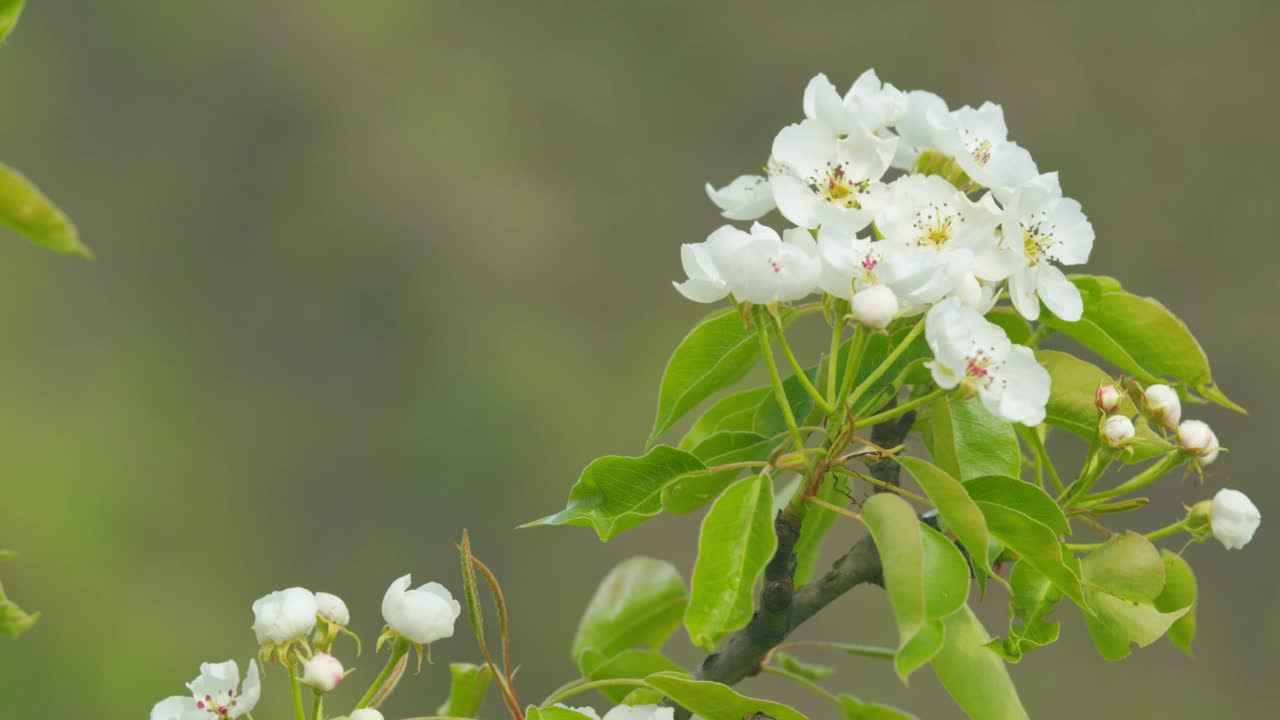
[(1164, 405), (1118, 431), (1108, 398), (322, 672), (1196, 438)]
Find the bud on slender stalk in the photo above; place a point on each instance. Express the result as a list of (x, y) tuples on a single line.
[(875, 306), (1118, 431), (1108, 398), (1196, 438), (322, 672), (1164, 405)]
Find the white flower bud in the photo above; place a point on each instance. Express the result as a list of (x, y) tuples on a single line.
[(585, 710), (284, 616), (875, 306), (1196, 438), (365, 714), (1118, 430), (423, 615), (322, 672), (640, 712), (1164, 405), (331, 608), (1234, 518), (1108, 398)]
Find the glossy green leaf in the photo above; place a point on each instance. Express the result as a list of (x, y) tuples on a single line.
[(690, 492), (770, 421), (640, 602), (896, 530), (917, 650), (974, 674), (1179, 592), (1022, 496), (466, 690), (735, 411), (1140, 336), (946, 574), (1036, 544), (1122, 579), (719, 351), (736, 542), (615, 493), (956, 508), (9, 12), (855, 709), (27, 211), (715, 701), (967, 441), (1071, 404), (818, 522), (1031, 601), (806, 670), (637, 664)]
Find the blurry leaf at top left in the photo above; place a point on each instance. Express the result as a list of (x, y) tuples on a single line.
[(33, 215)]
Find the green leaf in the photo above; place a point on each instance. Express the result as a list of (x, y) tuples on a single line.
[(690, 492), (769, 420), (967, 441), (1036, 544), (636, 664), (1122, 579), (724, 414), (714, 701), (1022, 496), (1032, 600), (1140, 336), (855, 709), (9, 12), (1179, 592), (917, 650), (956, 509), (806, 670), (974, 674), (615, 493), (29, 213), (718, 352), (466, 690), (1012, 322), (1071, 404), (818, 522), (736, 542), (640, 602)]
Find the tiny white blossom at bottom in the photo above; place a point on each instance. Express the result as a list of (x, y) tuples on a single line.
[(1234, 518), (365, 714), (623, 712), (968, 349), (213, 694)]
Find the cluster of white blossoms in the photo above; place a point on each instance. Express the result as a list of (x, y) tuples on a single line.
[(967, 215), (285, 621)]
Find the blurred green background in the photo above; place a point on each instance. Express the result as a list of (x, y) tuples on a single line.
[(370, 273)]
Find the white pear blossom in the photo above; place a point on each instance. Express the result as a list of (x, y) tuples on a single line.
[(214, 695), (868, 105), (284, 616), (332, 608), (979, 141), (1164, 405), (1041, 227), (423, 615), (1234, 518), (1107, 398), (584, 710), (640, 712), (365, 714), (322, 672), (968, 349), (748, 197), (1118, 431), (915, 131), (1195, 437), (850, 264), (706, 263), (824, 179), (875, 306), (770, 268)]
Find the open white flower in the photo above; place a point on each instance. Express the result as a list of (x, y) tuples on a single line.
[(1234, 518), (748, 197), (915, 131), (824, 179), (1164, 405), (423, 615), (869, 104), (1042, 227), (214, 695), (772, 268), (968, 349), (979, 141), (706, 263), (284, 616), (323, 672), (332, 608)]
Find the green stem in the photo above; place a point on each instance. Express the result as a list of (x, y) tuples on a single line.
[(853, 359), (803, 682), (888, 362), (398, 650), (1032, 438), (779, 393), (883, 485), (1097, 461), (297, 691), (1142, 479), (1041, 332), (317, 705), (1166, 531), (833, 364), (870, 651), (798, 368), (900, 410), (582, 685)]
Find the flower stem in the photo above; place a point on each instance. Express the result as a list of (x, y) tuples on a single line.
[(297, 691), (900, 410), (833, 364), (803, 682), (1141, 480), (1167, 530), (797, 367), (779, 393), (1033, 439), (888, 362), (581, 685), (398, 650), (870, 651), (317, 705), (883, 485)]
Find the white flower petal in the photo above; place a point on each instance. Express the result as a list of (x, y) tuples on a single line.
[(1059, 293), (1022, 293), (747, 197)]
